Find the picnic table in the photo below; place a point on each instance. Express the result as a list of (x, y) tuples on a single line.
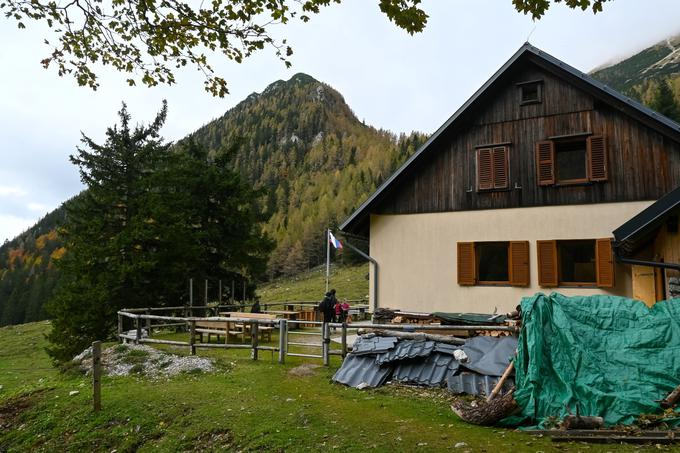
[(288, 314), (236, 328)]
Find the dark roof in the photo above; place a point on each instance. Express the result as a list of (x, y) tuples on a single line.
[(641, 227), (548, 62)]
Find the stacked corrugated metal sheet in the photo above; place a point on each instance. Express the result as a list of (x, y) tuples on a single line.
[(375, 360)]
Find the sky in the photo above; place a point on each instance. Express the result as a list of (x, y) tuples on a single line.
[(390, 79)]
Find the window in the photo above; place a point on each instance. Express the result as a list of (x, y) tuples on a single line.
[(492, 168), (585, 262), (530, 92), (493, 263), (571, 160), (577, 262)]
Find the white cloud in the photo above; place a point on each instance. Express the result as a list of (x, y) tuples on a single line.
[(11, 226), (8, 191), (38, 207)]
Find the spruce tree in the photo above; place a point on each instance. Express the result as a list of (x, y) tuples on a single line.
[(106, 266), (150, 218), (203, 221), (664, 101)]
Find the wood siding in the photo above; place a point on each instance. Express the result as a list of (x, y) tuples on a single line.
[(641, 163)]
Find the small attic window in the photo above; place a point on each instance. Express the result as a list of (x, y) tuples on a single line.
[(530, 92)]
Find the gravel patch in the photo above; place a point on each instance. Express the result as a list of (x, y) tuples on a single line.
[(127, 359)]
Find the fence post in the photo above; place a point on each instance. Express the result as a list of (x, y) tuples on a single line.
[(148, 321), (283, 341), (253, 338), (97, 375), (138, 330), (120, 327), (344, 340), (326, 342), (192, 337)]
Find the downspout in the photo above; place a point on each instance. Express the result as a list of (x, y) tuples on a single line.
[(374, 296)]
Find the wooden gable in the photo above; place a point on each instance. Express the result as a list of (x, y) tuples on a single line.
[(637, 162), (632, 153)]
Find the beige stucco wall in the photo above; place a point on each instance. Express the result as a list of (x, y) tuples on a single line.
[(416, 253)]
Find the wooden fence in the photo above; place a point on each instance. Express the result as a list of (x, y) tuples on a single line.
[(143, 320)]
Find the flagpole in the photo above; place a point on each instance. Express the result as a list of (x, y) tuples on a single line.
[(328, 256)]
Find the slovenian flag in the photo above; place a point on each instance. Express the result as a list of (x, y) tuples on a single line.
[(337, 244)]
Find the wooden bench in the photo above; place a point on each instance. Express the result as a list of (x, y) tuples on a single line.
[(213, 328)]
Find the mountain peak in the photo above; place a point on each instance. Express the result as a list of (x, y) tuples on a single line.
[(302, 78)]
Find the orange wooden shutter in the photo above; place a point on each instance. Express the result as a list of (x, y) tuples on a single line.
[(547, 263), (466, 263), (604, 260), (519, 263), (484, 169), (545, 163), (597, 158), (500, 168)]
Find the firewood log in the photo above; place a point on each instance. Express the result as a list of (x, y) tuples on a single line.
[(486, 413), (671, 399), (413, 336), (578, 422)]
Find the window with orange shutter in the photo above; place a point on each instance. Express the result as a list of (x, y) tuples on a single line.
[(579, 262), (547, 263), (493, 263), (466, 263), (597, 158), (493, 168), (573, 160)]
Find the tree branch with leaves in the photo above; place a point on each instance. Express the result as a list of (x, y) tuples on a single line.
[(148, 40)]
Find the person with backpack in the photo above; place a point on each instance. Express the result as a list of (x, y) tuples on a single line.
[(335, 307), (326, 308)]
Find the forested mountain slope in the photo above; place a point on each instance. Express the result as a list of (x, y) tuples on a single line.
[(639, 75), (304, 146), (27, 270)]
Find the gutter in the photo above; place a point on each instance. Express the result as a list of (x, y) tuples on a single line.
[(621, 259), (371, 260)]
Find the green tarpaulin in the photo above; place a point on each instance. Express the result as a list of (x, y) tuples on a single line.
[(610, 356)]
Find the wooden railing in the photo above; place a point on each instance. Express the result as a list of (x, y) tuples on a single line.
[(143, 319)]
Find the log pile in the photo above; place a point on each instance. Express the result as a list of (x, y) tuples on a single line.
[(412, 336), (383, 315)]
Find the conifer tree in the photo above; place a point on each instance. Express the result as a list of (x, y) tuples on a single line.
[(151, 217), (106, 267), (664, 101)]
